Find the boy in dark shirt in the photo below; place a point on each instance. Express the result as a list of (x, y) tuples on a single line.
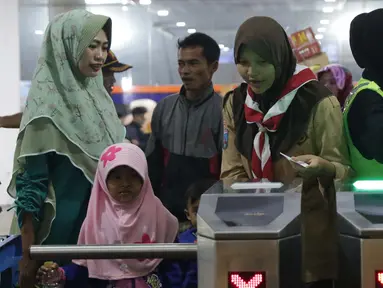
[(193, 194)]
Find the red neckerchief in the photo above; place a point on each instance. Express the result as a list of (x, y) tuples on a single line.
[(261, 160)]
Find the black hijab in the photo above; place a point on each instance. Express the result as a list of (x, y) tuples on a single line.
[(366, 44)]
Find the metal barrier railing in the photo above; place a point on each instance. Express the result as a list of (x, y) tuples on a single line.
[(132, 251)]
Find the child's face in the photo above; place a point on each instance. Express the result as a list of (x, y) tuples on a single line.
[(191, 212), (124, 184)]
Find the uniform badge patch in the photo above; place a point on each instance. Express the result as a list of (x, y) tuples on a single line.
[(225, 135)]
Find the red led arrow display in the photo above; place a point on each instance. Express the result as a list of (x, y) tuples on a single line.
[(378, 279), (247, 280)]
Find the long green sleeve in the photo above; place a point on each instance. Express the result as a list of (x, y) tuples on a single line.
[(32, 187)]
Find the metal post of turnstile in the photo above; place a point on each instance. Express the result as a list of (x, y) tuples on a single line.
[(132, 251)]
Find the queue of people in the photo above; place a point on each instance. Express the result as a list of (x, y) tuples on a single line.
[(70, 133)]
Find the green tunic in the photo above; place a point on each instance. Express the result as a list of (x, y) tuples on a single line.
[(66, 114), (72, 191)]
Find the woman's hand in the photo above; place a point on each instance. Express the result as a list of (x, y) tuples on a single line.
[(28, 269), (46, 271), (317, 166)]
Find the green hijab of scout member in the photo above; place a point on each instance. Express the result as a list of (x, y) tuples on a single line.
[(68, 121)]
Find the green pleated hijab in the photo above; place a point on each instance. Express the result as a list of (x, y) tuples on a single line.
[(66, 112)]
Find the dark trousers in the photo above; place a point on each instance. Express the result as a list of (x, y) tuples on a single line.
[(320, 284)]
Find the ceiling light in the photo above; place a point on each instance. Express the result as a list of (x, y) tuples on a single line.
[(124, 2), (319, 36), (221, 46), (324, 22), (162, 13), (181, 24), (226, 49), (39, 32), (328, 9), (124, 8), (321, 29), (191, 31), (102, 2), (330, 1), (145, 2)]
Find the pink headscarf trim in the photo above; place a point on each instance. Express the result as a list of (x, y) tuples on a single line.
[(343, 80), (145, 220), (338, 73)]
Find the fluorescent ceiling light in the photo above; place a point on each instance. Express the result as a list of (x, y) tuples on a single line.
[(181, 24), (39, 32), (325, 22), (102, 2), (319, 36), (125, 8), (330, 1), (328, 9), (192, 30), (322, 29), (226, 49), (163, 13), (221, 46), (145, 2)]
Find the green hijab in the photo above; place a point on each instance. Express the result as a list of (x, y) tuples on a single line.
[(66, 112)]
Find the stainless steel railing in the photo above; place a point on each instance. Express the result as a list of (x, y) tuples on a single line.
[(132, 251)]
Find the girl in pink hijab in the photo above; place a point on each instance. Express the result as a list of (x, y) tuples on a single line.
[(338, 79), (123, 209)]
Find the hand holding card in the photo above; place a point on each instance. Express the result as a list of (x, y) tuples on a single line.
[(309, 166), (300, 163)]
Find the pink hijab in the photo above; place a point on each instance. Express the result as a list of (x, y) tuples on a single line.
[(145, 220), (343, 79)]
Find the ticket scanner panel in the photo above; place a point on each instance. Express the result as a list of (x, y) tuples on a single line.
[(361, 237), (249, 239)]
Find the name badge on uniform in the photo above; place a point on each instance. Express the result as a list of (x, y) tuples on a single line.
[(225, 135)]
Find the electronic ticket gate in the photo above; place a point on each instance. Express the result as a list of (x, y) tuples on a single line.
[(361, 228), (249, 240)]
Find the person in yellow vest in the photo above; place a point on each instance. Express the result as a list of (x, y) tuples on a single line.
[(363, 112)]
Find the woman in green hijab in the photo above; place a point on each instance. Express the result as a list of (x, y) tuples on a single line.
[(68, 121)]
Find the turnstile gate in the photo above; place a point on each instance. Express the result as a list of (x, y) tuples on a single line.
[(249, 240), (361, 239)]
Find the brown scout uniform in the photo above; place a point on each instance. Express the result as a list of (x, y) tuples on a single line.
[(311, 125), (324, 138)]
